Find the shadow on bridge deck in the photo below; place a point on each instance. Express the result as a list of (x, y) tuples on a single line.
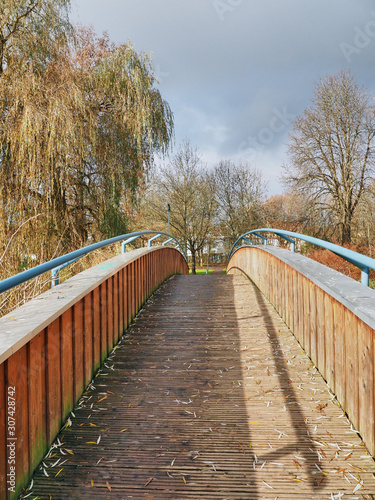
[(208, 395)]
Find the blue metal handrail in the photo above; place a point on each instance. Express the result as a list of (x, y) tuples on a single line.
[(364, 262), (59, 262)]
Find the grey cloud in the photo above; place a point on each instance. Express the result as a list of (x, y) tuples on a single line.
[(229, 76)]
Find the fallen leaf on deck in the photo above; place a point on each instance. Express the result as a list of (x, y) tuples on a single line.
[(269, 486), (356, 468)]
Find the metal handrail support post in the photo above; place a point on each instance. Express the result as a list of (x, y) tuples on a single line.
[(364, 262), (124, 243), (29, 274), (260, 236), (365, 276), (55, 279), (293, 243), (248, 241), (152, 239)]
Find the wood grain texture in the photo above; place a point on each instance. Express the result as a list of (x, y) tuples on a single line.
[(115, 309), (121, 321), (37, 400), (312, 335), (330, 349), (138, 286), (196, 410), (67, 391), (110, 313), (351, 366), (320, 332), (17, 378), (52, 369), (340, 354), (96, 328), (88, 338), (130, 278), (103, 321), (125, 281), (305, 341), (339, 343), (300, 310), (366, 385), (53, 379), (78, 350)]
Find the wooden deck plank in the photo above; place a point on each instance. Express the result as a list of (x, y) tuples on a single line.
[(208, 395)]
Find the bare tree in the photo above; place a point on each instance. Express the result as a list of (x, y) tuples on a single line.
[(188, 188), (239, 193), (293, 212), (364, 220), (331, 148)]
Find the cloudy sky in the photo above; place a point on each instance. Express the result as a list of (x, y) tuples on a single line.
[(237, 72)]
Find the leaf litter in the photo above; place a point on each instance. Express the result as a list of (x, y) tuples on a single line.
[(328, 446)]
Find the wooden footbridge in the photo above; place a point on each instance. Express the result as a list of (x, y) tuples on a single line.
[(258, 384)]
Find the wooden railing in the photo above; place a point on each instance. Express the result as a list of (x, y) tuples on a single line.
[(332, 317), (51, 347)]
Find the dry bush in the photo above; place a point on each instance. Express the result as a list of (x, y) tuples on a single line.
[(21, 294), (333, 261)]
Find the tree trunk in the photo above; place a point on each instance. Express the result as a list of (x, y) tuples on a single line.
[(346, 229), (193, 261), (2, 44)]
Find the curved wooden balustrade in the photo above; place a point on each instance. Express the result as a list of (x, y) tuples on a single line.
[(332, 317), (51, 347)]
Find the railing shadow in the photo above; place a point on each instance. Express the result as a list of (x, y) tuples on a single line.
[(297, 416), (168, 416)]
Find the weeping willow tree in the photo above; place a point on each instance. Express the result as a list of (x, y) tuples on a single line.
[(80, 121), (77, 136), (29, 29)]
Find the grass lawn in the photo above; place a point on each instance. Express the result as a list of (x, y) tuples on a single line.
[(202, 271)]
